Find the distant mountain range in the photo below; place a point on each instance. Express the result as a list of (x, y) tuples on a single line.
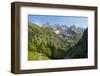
[(64, 29)]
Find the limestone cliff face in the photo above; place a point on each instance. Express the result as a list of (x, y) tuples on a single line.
[(80, 50)]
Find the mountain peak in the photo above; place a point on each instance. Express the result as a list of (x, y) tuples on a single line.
[(46, 24)]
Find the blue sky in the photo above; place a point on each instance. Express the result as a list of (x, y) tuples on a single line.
[(61, 20)]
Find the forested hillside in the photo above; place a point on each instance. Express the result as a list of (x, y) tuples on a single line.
[(44, 43), (80, 50)]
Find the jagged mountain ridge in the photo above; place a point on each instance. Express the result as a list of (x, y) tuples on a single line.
[(64, 29)]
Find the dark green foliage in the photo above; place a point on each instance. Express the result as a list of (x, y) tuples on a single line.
[(80, 50)]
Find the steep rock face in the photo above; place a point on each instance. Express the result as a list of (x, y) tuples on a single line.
[(80, 50)]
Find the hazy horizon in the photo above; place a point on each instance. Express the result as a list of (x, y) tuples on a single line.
[(61, 20)]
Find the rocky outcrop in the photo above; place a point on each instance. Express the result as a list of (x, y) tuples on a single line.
[(80, 50)]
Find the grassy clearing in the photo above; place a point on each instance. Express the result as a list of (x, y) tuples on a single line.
[(36, 56)]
